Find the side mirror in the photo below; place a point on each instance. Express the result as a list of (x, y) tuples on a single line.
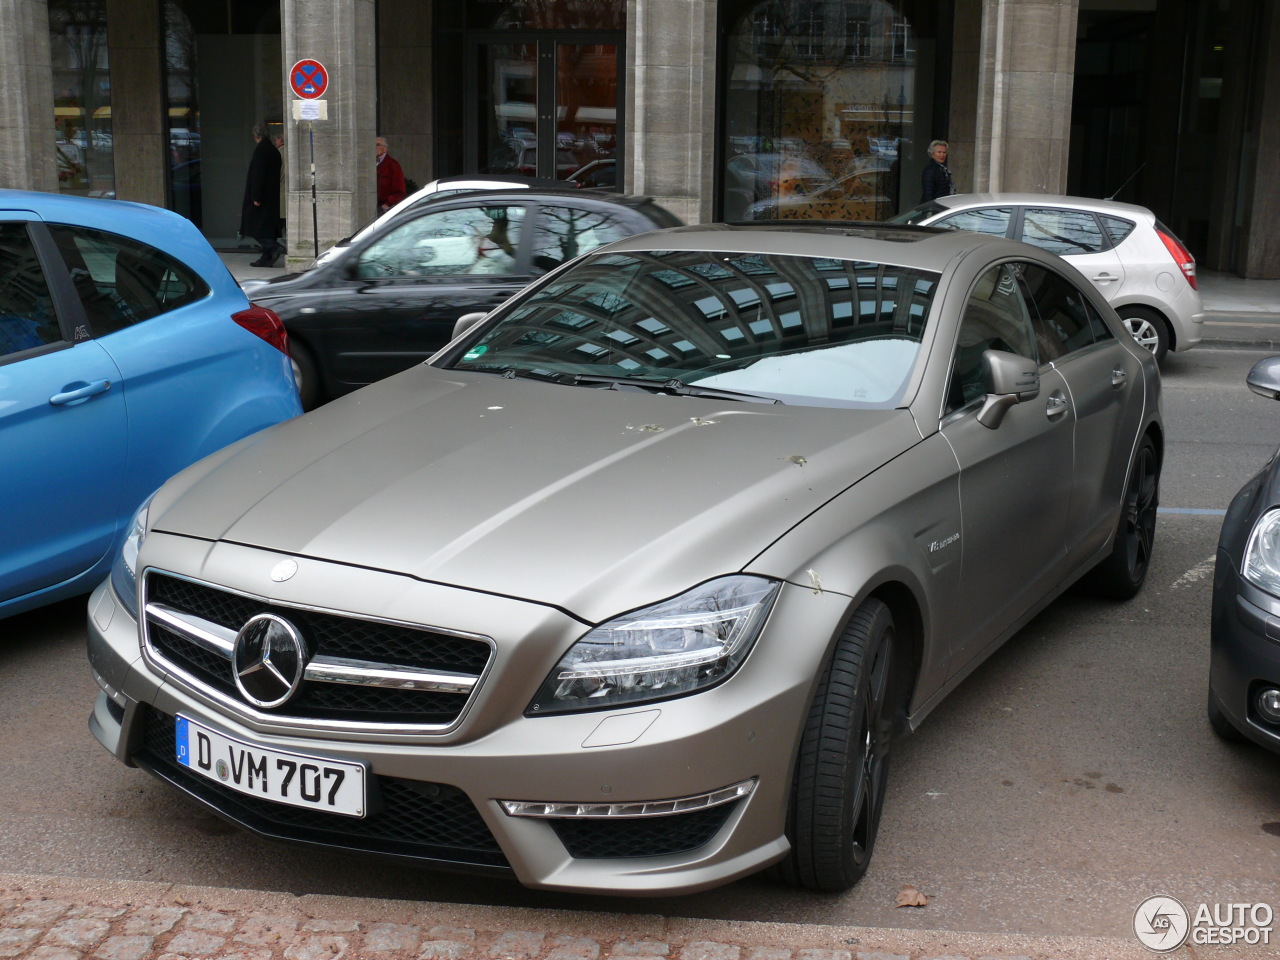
[(350, 268), (1264, 378), (466, 322), (1009, 379)]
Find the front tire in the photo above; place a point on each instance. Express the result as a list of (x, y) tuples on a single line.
[(1121, 575), (843, 763), (1148, 328)]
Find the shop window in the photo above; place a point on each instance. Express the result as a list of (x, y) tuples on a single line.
[(85, 153), (821, 98)]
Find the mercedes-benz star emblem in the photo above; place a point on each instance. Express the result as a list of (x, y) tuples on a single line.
[(283, 570), (269, 659)]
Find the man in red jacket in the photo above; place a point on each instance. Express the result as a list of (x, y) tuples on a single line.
[(390, 178)]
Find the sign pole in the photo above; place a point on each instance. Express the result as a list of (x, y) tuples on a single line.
[(315, 227), (309, 80)]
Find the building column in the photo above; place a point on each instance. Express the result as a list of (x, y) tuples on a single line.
[(670, 129), (406, 113), (341, 34), (28, 147), (139, 131), (1019, 125)]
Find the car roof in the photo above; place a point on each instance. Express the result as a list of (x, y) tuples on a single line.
[(928, 248), (511, 181), (155, 226), (561, 191), (960, 200)]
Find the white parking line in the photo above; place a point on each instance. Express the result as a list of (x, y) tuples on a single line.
[(1197, 573)]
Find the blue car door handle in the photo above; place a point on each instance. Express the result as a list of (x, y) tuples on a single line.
[(80, 393)]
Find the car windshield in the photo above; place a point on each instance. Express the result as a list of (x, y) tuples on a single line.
[(924, 211), (816, 331)]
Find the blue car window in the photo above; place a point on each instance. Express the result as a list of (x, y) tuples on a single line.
[(121, 281), (27, 318)]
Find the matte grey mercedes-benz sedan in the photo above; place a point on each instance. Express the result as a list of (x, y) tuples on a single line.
[(630, 588)]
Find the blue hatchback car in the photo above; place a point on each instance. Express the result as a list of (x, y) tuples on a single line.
[(127, 352)]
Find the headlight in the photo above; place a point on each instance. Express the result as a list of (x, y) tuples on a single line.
[(679, 646), (1262, 555), (124, 572)]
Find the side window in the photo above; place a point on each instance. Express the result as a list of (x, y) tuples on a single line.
[(1063, 232), (989, 220), (121, 281), (1062, 318), (566, 232), (27, 319), (1117, 227), (460, 241), (995, 318)]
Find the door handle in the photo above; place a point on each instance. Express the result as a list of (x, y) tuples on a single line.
[(1104, 277), (1118, 377), (80, 393), (1055, 406)]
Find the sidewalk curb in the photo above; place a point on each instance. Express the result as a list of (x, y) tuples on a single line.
[(108, 915)]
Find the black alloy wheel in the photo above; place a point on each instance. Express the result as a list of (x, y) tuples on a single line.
[(843, 764), (1121, 575)]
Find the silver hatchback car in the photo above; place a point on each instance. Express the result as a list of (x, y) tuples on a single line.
[(1136, 262), (631, 587)]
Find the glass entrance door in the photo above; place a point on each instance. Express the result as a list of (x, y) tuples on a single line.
[(550, 108)]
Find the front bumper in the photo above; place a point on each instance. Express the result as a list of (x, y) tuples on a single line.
[(437, 797), (1245, 651)]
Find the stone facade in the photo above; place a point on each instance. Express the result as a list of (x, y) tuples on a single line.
[(1011, 64)]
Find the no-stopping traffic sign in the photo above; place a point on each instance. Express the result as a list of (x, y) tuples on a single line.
[(309, 79)]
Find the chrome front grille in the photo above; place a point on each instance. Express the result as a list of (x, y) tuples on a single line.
[(361, 673)]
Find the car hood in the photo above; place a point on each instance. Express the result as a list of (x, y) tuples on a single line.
[(595, 501)]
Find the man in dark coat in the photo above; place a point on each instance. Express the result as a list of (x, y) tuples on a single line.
[(260, 214), (936, 179)]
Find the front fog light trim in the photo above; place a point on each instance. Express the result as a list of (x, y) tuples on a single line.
[(641, 808)]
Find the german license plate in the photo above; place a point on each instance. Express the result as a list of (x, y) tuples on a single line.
[(314, 783)]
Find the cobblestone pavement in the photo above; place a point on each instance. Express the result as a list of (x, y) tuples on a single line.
[(56, 918)]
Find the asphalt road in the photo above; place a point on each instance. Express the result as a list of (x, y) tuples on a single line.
[(1068, 779)]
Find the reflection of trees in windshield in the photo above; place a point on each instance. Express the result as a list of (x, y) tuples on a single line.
[(694, 314)]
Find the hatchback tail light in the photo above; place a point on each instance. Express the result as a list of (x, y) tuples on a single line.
[(1181, 255), (264, 323)]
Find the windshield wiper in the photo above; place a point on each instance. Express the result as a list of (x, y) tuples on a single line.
[(671, 386)]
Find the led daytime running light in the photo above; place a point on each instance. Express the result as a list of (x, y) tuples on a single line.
[(643, 808)]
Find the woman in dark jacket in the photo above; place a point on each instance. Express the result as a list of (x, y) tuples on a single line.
[(936, 180), (260, 213)]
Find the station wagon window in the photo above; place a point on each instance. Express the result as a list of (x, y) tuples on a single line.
[(989, 220), (995, 317), (1063, 232), (815, 331), (567, 232), (27, 318), (1062, 318), (121, 281), (464, 241)]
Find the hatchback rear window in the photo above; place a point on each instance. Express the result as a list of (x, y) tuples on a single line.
[(809, 330), (121, 281), (1117, 227)]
